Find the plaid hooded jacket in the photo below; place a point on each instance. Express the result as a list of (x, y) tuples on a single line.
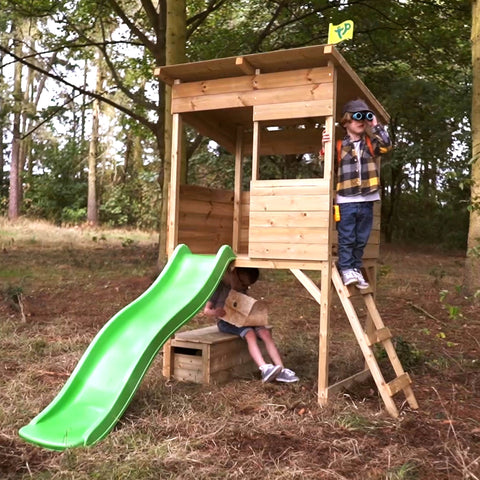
[(350, 182)]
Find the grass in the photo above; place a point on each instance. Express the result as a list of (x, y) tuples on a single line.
[(72, 284)]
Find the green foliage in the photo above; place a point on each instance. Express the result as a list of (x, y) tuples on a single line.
[(59, 193), (409, 354), (413, 56), (406, 471), (428, 221), (132, 203)]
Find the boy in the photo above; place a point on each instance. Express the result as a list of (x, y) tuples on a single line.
[(240, 279), (358, 158)]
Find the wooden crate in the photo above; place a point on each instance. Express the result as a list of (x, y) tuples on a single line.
[(206, 355)]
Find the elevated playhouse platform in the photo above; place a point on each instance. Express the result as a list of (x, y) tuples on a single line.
[(275, 103)]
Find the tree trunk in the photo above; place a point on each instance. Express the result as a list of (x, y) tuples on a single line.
[(92, 215), (472, 264), (176, 32), (2, 121), (14, 193)]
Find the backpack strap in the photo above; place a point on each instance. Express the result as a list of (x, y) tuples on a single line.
[(339, 151), (368, 141)]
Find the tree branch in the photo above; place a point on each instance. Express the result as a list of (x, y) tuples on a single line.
[(139, 118)]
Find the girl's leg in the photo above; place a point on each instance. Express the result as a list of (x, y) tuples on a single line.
[(253, 348), (272, 349)]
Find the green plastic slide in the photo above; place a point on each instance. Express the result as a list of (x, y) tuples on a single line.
[(111, 369)]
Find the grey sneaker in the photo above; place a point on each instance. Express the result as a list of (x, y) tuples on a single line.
[(362, 284), (349, 276), (270, 372), (287, 376)]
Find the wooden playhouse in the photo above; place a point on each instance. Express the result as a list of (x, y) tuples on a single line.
[(277, 103)]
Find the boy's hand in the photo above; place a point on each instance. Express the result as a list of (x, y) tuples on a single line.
[(325, 137), (372, 122)]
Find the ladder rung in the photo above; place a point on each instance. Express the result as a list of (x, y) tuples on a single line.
[(398, 384), (378, 336), (353, 291)]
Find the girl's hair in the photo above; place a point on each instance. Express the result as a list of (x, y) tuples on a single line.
[(251, 274)]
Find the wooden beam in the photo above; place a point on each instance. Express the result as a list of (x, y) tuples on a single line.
[(294, 109), (302, 93), (349, 381), (244, 65), (212, 129), (308, 283), (254, 82)]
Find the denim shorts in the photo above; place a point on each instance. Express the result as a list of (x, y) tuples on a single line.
[(226, 327)]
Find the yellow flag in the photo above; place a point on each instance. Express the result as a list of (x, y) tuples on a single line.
[(339, 33)]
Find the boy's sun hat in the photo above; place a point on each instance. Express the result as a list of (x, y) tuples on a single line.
[(355, 106)]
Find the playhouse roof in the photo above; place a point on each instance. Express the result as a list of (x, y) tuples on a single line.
[(349, 85)]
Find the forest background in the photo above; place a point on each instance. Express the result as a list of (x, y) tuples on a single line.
[(85, 124)]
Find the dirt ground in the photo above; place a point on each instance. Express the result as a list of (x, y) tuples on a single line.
[(63, 296)]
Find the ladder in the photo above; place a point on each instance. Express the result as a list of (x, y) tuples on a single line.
[(375, 333)]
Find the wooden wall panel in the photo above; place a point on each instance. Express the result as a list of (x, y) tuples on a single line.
[(205, 218), (289, 219)]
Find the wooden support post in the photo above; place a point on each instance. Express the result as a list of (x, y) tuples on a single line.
[(323, 347), (237, 194), (255, 150), (176, 165), (323, 297), (256, 145)]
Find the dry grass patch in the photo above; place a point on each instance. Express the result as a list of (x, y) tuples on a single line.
[(72, 284)]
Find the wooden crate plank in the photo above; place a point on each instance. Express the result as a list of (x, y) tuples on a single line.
[(210, 334), (167, 365), (187, 362)]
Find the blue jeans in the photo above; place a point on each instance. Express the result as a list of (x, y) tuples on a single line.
[(353, 229), (226, 327)]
